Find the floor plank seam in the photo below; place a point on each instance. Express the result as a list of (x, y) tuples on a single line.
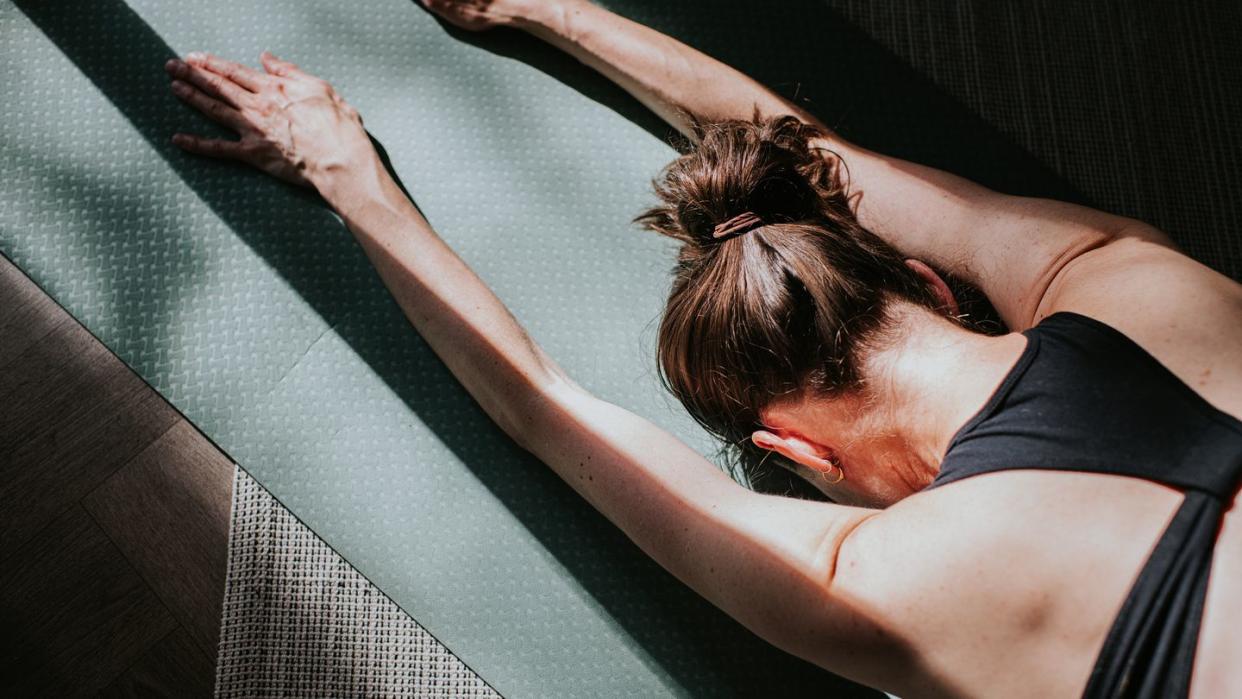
[(151, 588), (138, 659), (125, 464)]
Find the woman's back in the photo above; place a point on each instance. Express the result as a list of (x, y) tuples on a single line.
[(1029, 569)]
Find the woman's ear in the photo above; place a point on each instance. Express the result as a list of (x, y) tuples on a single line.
[(948, 303), (798, 449)]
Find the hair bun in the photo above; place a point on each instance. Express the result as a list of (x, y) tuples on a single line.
[(741, 175)]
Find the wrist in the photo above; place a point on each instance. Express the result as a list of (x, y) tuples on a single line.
[(346, 186), (546, 17)]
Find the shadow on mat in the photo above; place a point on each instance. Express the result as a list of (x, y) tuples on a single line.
[(879, 102), (812, 56)]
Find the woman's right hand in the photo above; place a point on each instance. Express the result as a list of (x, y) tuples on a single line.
[(478, 15), (290, 124)]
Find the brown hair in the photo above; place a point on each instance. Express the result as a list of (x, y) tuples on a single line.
[(782, 308)]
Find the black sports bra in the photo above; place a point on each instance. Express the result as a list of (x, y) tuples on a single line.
[(1084, 397)]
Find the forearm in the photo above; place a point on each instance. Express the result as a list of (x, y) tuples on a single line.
[(732, 545), (679, 82), (729, 544), (669, 77), (1007, 246), (454, 311)]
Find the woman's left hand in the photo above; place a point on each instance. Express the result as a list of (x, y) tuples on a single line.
[(291, 124)]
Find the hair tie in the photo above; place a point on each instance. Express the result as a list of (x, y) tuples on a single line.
[(737, 225)]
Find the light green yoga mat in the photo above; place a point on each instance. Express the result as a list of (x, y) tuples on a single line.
[(248, 305), (250, 308)]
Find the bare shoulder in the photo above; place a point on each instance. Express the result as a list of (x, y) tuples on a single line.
[(1022, 565), (953, 580), (946, 536), (1184, 313)]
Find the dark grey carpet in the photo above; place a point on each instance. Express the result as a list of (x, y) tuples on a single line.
[(1137, 105)]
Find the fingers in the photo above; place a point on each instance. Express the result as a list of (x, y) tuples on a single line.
[(276, 66), (214, 109), (211, 83), (211, 147), (243, 75)]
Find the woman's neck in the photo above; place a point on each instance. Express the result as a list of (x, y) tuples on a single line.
[(932, 376)]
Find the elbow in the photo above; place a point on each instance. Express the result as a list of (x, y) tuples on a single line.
[(531, 420), (523, 419), (518, 427)]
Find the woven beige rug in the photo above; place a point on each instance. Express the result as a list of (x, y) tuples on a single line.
[(299, 621)]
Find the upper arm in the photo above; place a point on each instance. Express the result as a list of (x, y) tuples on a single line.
[(768, 561), (1011, 247)]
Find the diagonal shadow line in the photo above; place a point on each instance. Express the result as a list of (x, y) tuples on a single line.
[(875, 99), (694, 643), (814, 57), (878, 102)]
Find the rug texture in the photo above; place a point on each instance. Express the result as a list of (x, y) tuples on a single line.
[(299, 621)]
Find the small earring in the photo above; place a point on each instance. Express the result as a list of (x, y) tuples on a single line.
[(838, 469)]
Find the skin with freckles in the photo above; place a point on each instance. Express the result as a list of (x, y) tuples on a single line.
[(1000, 585)]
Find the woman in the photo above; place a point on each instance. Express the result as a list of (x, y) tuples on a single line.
[(806, 318)]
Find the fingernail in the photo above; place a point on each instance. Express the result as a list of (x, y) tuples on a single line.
[(179, 87)]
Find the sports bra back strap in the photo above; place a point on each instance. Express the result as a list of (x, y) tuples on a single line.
[(1150, 649)]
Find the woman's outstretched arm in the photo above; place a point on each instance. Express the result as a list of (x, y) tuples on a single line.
[(768, 561), (1013, 248)]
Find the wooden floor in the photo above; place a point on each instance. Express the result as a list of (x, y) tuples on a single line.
[(113, 518)]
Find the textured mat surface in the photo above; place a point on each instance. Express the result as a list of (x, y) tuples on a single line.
[(249, 307), (299, 621)]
